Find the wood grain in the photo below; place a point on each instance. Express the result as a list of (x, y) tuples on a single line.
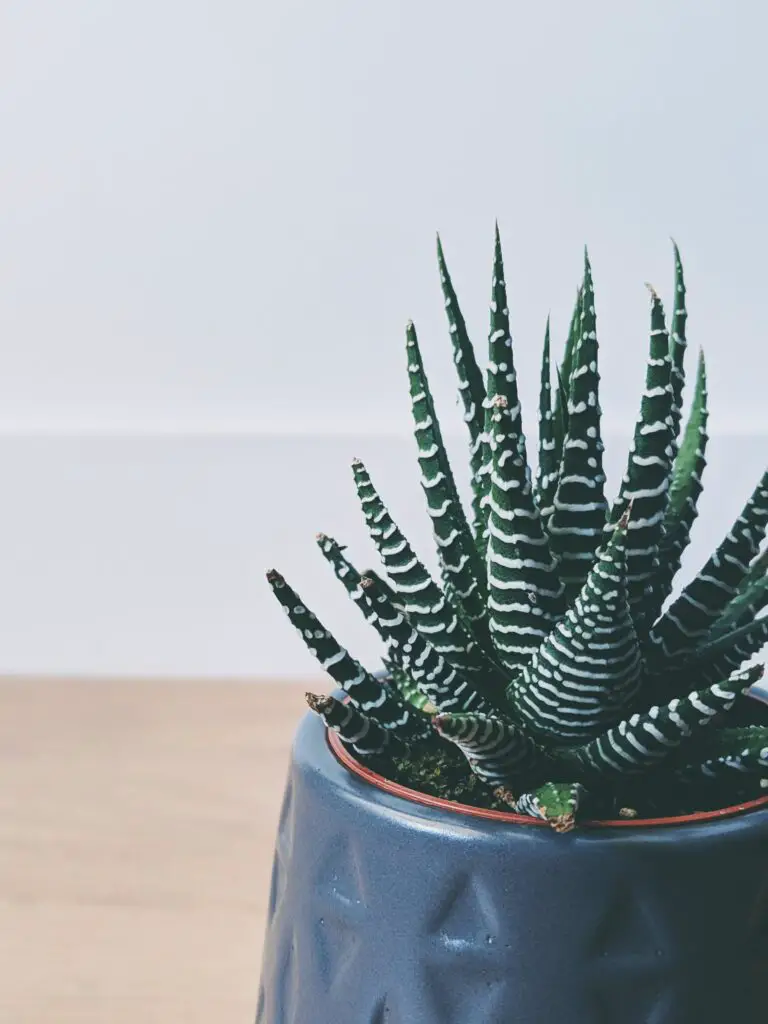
[(136, 830)]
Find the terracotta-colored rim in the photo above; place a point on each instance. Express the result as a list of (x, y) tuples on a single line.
[(396, 789)]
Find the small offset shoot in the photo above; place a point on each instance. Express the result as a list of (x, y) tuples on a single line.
[(550, 666)]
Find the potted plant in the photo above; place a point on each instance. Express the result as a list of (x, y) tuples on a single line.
[(550, 808)]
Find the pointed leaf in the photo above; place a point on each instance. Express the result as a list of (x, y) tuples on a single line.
[(352, 580), (462, 567), (555, 802), (589, 667), (501, 378), (471, 387), (441, 684), (405, 646), (497, 751), (562, 395), (405, 686), (741, 611), (524, 590), (365, 691), (643, 741), (577, 522), (425, 604), (548, 468), (684, 491), (721, 752), (729, 652), (384, 586), (734, 754), (677, 346), (757, 570), (358, 731), (649, 469), (685, 624)]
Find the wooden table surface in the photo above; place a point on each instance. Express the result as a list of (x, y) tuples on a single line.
[(136, 829)]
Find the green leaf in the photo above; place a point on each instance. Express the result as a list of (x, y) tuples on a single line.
[(405, 686), (589, 667), (442, 685), (577, 522), (649, 469), (677, 346), (731, 755), (640, 743), (462, 568), (471, 387), (365, 691), (351, 578), (525, 595), (685, 624), (744, 607), (358, 730), (572, 341), (728, 652), (757, 570), (425, 604), (684, 491), (555, 802), (562, 395), (497, 751), (548, 468), (501, 378), (714, 743)]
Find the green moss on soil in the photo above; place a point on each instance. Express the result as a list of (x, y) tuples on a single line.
[(443, 773)]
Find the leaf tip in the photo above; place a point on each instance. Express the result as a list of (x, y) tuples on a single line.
[(623, 523), (317, 702)]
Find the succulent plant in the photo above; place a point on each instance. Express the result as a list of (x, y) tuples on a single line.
[(551, 667)]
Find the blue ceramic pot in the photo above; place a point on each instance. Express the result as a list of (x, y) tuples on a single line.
[(387, 911)]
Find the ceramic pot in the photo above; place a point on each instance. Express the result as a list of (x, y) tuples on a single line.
[(388, 907)]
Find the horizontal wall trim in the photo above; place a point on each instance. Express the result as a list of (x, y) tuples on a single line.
[(142, 552)]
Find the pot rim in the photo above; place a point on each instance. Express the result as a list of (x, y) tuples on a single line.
[(346, 759)]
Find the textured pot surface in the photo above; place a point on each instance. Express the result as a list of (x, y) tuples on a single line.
[(383, 911)]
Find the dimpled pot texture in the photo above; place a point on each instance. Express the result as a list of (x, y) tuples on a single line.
[(386, 911)]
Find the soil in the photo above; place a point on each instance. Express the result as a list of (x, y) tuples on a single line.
[(443, 773)]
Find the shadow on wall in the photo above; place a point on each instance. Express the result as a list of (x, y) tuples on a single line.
[(146, 555)]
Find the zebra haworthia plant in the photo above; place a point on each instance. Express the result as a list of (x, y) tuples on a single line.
[(549, 669)]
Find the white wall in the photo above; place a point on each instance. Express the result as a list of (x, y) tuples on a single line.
[(208, 208), (215, 219), (145, 555)]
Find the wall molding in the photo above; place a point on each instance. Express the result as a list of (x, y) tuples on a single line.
[(141, 552)]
